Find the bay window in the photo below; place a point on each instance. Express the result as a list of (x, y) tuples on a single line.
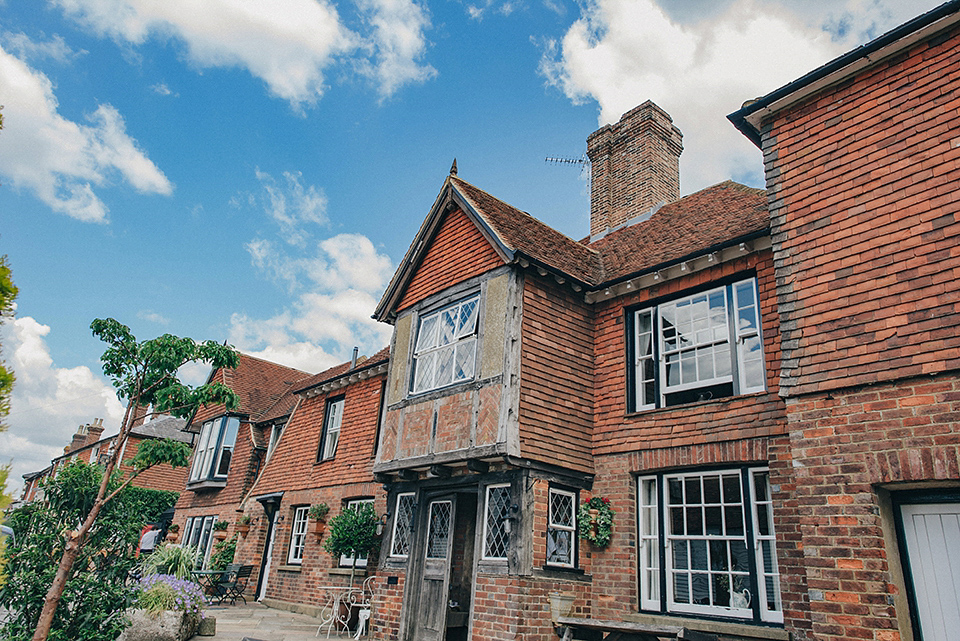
[(445, 351), (214, 449), (698, 347), (707, 545)]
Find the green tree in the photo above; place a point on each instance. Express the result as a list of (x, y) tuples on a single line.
[(145, 375), (353, 532), (95, 597), (8, 293)]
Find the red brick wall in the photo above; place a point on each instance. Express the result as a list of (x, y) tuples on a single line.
[(712, 421), (458, 252), (843, 444), (864, 209), (160, 477), (556, 376)]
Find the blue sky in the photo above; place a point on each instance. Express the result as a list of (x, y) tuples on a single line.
[(253, 172)]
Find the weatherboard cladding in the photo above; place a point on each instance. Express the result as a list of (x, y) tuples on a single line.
[(556, 377), (866, 217)]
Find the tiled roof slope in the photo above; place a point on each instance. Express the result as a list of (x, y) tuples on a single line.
[(339, 370), (706, 218), (262, 387), (694, 223), (522, 232), (163, 427)]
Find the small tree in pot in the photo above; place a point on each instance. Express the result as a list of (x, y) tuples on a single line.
[(353, 532)]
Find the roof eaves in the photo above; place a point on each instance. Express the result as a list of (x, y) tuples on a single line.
[(750, 117), (337, 381)]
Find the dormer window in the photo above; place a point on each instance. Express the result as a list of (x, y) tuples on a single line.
[(215, 449), (446, 346), (698, 347)]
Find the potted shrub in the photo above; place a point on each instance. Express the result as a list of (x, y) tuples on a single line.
[(220, 530), (353, 532), (243, 524), (165, 609), (318, 513), (173, 533)]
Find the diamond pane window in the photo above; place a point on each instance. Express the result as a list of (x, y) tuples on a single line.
[(496, 536), (438, 536), (561, 528), (446, 346), (403, 525)]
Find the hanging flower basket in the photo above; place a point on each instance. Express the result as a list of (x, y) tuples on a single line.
[(595, 521)]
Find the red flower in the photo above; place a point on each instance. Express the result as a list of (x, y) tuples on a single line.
[(605, 500)]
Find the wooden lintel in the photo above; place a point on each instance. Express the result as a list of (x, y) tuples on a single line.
[(475, 465), (439, 471)]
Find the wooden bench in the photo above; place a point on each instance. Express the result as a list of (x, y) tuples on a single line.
[(626, 631)]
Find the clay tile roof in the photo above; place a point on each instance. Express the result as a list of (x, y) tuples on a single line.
[(693, 224), (337, 371), (523, 233), (262, 387)]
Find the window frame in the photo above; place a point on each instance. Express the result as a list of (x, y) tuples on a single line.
[(419, 353), (409, 528), (276, 432), (298, 535), (486, 522), (212, 444), (655, 588), (198, 532), (328, 416), (574, 497), (647, 357), (346, 560)]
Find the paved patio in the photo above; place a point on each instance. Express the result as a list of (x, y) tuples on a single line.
[(254, 622)]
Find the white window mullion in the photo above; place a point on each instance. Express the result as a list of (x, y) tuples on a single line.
[(298, 535)]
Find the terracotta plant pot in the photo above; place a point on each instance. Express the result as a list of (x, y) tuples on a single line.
[(319, 527), (219, 534), (173, 536), (243, 529), (593, 522)]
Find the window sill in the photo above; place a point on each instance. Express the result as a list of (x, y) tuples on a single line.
[(290, 568), (769, 631), (361, 572), (206, 484), (685, 406), (562, 573)]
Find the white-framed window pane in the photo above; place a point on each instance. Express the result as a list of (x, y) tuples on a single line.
[(496, 537), (403, 525), (766, 548), (298, 535), (649, 543), (331, 428), (230, 430), (561, 527), (439, 527), (445, 347), (200, 453), (346, 560), (205, 542), (693, 339), (275, 432)]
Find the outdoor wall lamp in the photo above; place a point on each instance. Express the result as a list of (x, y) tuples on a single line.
[(384, 519), (510, 518)]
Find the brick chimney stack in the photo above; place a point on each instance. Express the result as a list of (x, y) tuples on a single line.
[(635, 167), (78, 439), (94, 430)]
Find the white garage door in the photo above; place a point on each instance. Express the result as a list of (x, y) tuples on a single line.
[(932, 534)]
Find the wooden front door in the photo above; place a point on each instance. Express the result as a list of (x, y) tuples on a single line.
[(431, 620)]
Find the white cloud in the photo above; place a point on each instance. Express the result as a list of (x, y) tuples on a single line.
[(701, 65), (162, 89), (54, 49), (336, 283), (48, 402), (153, 317), (291, 205), (289, 44), (62, 161), (398, 43)]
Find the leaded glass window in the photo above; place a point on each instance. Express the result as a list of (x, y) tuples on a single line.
[(561, 528), (496, 532), (403, 525), (446, 346)]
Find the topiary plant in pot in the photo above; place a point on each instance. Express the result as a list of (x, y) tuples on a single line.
[(353, 532)]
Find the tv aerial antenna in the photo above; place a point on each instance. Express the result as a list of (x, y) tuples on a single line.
[(582, 161)]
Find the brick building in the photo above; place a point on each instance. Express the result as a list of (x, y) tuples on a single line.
[(762, 384), (89, 445), (231, 447), (326, 456), (862, 160)]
